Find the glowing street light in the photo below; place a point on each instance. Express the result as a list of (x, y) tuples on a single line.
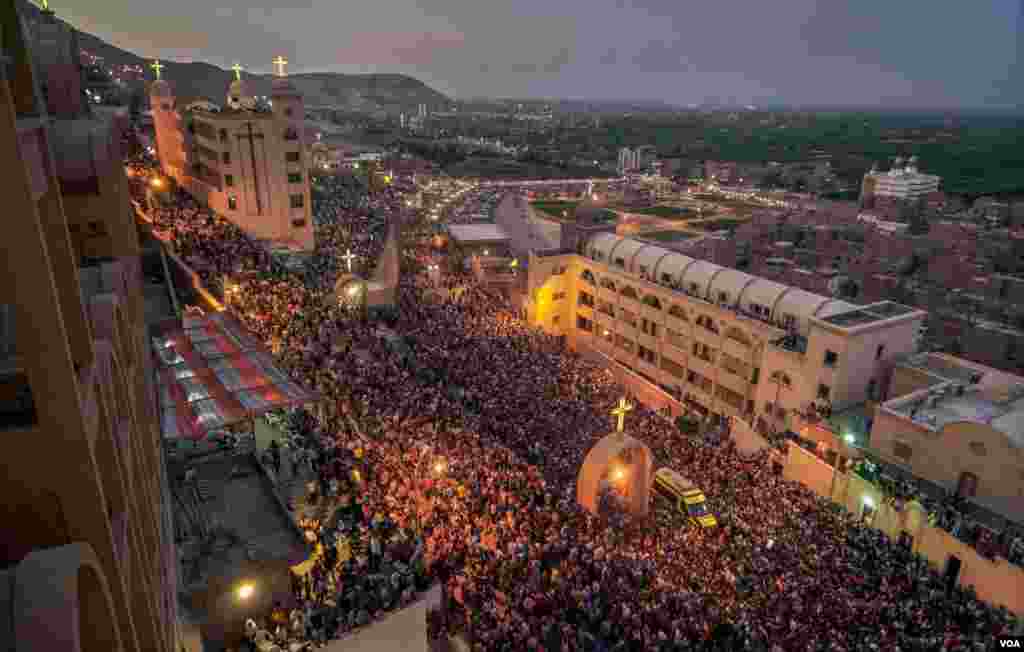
[(619, 474), (157, 183), (246, 591), (850, 439)]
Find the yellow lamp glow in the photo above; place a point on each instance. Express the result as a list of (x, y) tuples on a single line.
[(619, 475), (157, 182), (246, 591)]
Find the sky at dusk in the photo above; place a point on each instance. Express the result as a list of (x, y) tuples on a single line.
[(944, 53)]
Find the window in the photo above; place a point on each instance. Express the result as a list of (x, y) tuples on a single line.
[(978, 448), (558, 296), (723, 297), (879, 352), (673, 367), (707, 323), (297, 201), (608, 283), (649, 327), (97, 228), (824, 391), (755, 376), (555, 320), (968, 485), (584, 324), (627, 317), (232, 203), (652, 301), (704, 352), (587, 276), (292, 157), (229, 180), (223, 135), (677, 312), (298, 224), (585, 299), (294, 177), (646, 355), (226, 158), (629, 292), (675, 339), (872, 389), (831, 358), (290, 133), (621, 262), (288, 111), (902, 450)]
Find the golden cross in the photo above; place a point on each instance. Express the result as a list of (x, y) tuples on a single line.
[(238, 71), (348, 258), (280, 62), (620, 412), (157, 66)]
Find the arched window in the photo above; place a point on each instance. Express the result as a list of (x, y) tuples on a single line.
[(608, 283), (737, 335), (678, 312), (652, 301), (781, 378), (629, 292), (588, 277), (707, 323), (291, 134)]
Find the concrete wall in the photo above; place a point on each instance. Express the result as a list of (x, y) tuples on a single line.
[(995, 581)]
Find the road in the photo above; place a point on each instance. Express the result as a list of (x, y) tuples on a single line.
[(525, 233)]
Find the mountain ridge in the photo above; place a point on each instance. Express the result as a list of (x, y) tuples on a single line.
[(388, 92)]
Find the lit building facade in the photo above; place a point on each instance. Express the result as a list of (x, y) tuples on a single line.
[(248, 163), (89, 557), (901, 182), (691, 336)]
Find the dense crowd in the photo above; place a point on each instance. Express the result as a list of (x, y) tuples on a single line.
[(462, 468)]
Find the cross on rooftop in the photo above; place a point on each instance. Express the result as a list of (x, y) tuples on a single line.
[(620, 411), (157, 66), (238, 71), (279, 63), (348, 257)]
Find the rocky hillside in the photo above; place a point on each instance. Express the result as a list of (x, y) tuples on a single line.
[(391, 93)]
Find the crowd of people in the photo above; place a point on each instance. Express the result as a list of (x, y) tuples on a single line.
[(461, 466)]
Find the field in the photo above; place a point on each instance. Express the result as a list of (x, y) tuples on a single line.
[(666, 236), (716, 225), (557, 208), (667, 212)]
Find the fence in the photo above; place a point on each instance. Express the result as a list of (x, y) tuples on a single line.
[(995, 581)]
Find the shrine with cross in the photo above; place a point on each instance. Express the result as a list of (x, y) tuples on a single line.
[(157, 67), (238, 71), (279, 63), (620, 412)]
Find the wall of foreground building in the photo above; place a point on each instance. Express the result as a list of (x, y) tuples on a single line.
[(995, 581)]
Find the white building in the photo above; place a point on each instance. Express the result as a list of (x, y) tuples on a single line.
[(901, 182)]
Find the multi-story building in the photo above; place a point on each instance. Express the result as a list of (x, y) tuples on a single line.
[(697, 337), (88, 553), (901, 182), (629, 160), (959, 425), (247, 162)]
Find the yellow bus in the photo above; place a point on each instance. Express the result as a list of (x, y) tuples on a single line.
[(689, 499)]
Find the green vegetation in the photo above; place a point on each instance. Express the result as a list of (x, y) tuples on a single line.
[(717, 225), (666, 236), (667, 212), (566, 210)]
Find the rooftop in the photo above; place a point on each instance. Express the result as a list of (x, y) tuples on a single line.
[(964, 391), (468, 233), (869, 314)]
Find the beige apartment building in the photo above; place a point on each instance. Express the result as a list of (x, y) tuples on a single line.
[(88, 552), (247, 163), (958, 424), (691, 336)]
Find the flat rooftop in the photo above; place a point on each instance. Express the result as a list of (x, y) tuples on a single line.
[(481, 232), (869, 314), (995, 398)]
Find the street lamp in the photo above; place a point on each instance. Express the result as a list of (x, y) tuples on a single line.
[(245, 591)]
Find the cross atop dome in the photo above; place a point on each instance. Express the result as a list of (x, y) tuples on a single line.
[(157, 66), (279, 63), (238, 71)]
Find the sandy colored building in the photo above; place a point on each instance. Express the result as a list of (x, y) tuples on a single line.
[(958, 424), (88, 555), (690, 336), (246, 162)]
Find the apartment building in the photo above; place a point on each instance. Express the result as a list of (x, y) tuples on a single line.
[(247, 163), (88, 553), (700, 338)]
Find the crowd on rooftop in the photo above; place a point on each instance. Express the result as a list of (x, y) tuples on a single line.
[(455, 458)]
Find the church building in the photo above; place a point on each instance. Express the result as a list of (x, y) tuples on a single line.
[(246, 161)]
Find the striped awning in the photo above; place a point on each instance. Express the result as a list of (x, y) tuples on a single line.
[(211, 373)]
